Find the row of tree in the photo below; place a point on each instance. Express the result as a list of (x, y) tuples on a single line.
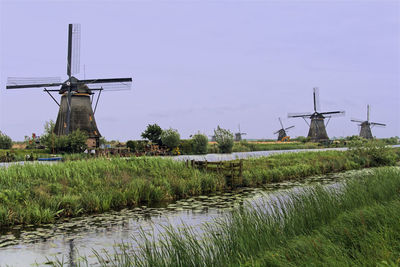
[(170, 139)]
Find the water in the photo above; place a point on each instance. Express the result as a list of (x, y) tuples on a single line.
[(103, 232)]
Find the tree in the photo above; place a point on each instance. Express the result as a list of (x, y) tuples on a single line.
[(200, 143), (153, 133), (5, 141), (224, 139), (170, 138)]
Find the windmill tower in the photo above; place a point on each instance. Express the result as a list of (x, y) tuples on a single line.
[(317, 131), (282, 132), (77, 96), (365, 130), (238, 135)]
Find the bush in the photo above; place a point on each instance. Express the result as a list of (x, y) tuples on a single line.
[(186, 147), (372, 153), (153, 133), (200, 143), (75, 142), (5, 141), (131, 145), (224, 139), (170, 138)]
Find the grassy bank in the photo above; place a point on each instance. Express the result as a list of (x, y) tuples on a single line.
[(35, 194), (354, 225)]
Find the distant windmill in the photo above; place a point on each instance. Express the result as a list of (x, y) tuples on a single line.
[(317, 131), (77, 95), (238, 135), (366, 126), (282, 132)]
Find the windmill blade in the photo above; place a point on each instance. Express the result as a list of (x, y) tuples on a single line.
[(333, 113), (299, 115), (276, 132), (290, 127), (368, 109), (316, 98), (378, 124), (280, 121), (116, 84), (355, 120), (74, 49), (32, 82)]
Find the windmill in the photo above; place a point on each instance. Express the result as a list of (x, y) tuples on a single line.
[(77, 96), (317, 131), (366, 126), (282, 132), (238, 135)]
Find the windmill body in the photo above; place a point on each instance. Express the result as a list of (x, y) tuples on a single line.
[(75, 108), (317, 131), (366, 126), (282, 132)]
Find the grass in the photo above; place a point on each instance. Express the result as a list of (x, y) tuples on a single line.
[(36, 193), (356, 224)]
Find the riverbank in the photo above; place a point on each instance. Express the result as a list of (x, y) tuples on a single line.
[(354, 224), (36, 194)]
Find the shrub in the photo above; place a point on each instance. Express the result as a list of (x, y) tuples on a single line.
[(200, 143), (153, 133), (224, 139), (132, 145), (372, 153), (75, 142), (185, 147), (170, 138), (5, 141)]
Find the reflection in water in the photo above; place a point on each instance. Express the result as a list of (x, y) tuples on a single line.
[(102, 232), (71, 259)]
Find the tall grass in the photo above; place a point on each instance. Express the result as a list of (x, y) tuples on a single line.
[(356, 224), (35, 193)]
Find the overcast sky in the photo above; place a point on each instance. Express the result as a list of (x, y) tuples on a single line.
[(199, 64)]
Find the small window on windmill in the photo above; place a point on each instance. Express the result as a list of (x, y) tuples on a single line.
[(90, 118), (95, 132), (65, 125)]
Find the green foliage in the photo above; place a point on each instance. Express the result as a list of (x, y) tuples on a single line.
[(132, 145), (186, 147), (5, 141), (170, 138), (153, 133), (137, 145), (75, 142), (372, 153), (302, 139), (224, 139), (200, 143)]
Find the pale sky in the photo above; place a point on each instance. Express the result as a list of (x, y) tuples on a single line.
[(199, 64)]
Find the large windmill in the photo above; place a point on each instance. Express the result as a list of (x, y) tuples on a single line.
[(77, 96), (238, 135), (317, 131), (282, 132), (365, 130)]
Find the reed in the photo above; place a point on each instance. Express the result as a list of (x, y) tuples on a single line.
[(356, 224)]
